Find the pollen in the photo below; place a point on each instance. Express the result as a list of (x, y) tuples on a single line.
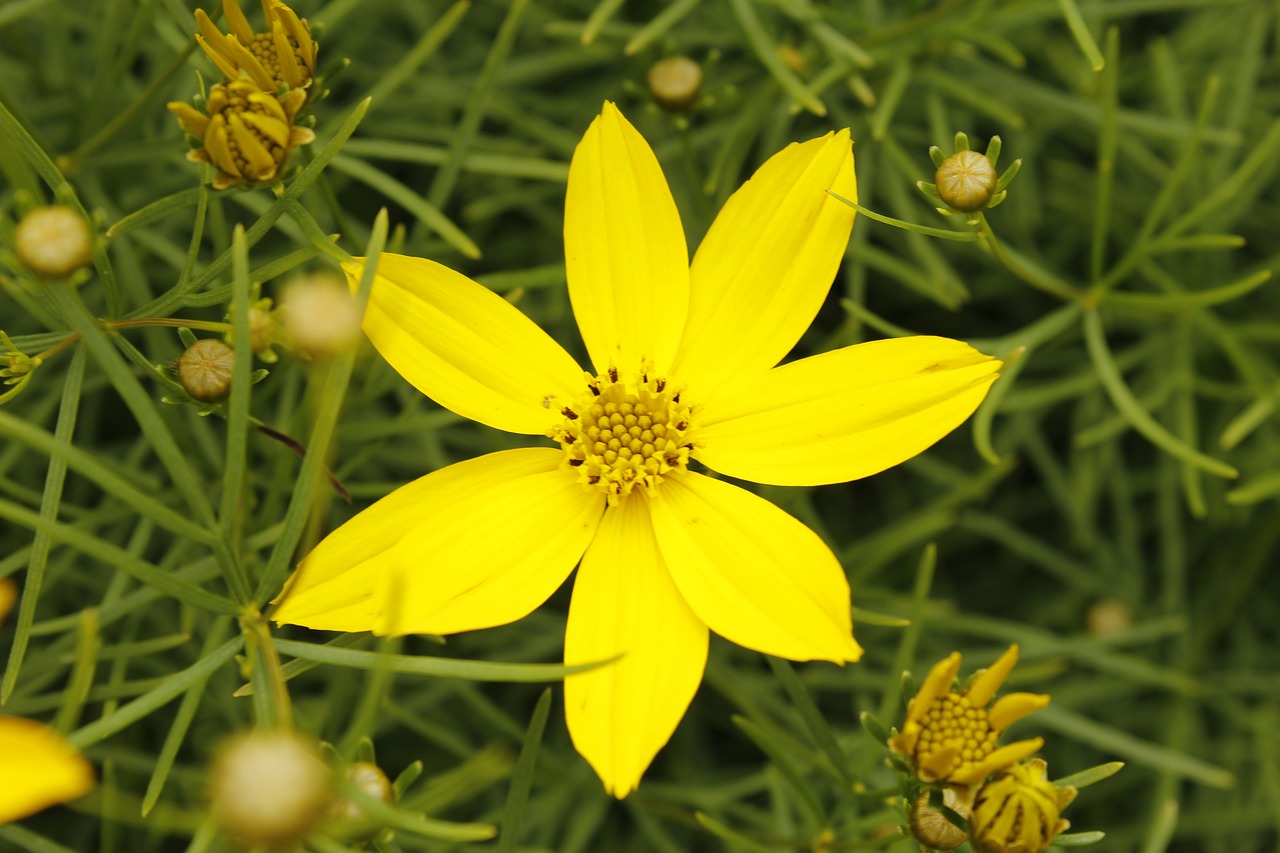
[(625, 432), (954, 736)]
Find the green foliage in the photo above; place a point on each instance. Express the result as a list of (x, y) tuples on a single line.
[(1112, 507)]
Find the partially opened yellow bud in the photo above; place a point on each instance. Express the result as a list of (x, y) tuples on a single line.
[(1018, 811), (247, 135), (951, 736), (282, 56), (269, 787), (53, 241)]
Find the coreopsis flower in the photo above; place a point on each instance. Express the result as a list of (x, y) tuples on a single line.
[(38, 768), (247, 135), (284, 56), (1019, 810), (684, 369), (951, 735)]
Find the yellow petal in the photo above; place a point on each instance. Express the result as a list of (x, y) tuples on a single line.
[(237, 22), (986, 682), (936, 684), (8, 595), (937, 764), (38, 769), (273, 128), (290, 73), (215, 142), (466, 347), (625, 254), (473, 545), (1009, 709), (262, 166), (625, 603), (191, 119), (844, 414), (997, 760), (754, 574), (766, 265)]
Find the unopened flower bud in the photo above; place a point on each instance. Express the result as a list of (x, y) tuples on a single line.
[(675, 83), (269, 787), (1018, 811), (1108, 616), (369, 780), (53, 241), (966, 181), (205, 370), (320, 317), (931, 827)]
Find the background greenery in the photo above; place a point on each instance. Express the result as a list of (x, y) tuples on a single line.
[(1137, 240)]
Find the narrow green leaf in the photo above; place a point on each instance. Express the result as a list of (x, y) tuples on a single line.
[(1092, 776), (234, 462), (600, 15), (157, 211), (1078, 839), (522, 776), (425, 211), (738, 840), (433, 666), (407, 65), (1184, 300), (473, 112), (88, 641), (945, 234), (781, 755), (817, 725), (1080, 31), (50, 501), (1109, 739), (1108, 136), (767, 52), (144, 705), (659, 25), (1129, 406)]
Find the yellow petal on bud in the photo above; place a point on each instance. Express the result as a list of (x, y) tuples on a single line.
[(936, 765), (988, 681), (191, 119), (272, 128), (215, 142), (261, 165), (1009, 709), (997, 760), (237, 22)]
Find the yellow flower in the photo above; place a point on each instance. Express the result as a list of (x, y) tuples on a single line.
[(283, 56), (684, 364), (1018, 811), (38, 768), (951, 736), (248, 134)]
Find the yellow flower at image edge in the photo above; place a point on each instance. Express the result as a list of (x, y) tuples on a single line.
[(951, 736), (684, 369), (38, 768)]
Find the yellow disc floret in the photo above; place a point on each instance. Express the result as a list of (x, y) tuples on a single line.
[(625, 432), (954, 736)]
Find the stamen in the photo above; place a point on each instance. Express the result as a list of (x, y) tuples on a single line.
[(625, 434)]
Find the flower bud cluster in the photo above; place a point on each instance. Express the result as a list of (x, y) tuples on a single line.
[(245, 127)]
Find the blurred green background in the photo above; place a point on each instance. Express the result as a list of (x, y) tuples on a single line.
[(1084, 512)]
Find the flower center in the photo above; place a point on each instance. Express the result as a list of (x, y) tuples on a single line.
[(625, 432), (953, 725), (265, 50)]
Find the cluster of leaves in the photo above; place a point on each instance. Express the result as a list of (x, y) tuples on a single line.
[(1125, 465)]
